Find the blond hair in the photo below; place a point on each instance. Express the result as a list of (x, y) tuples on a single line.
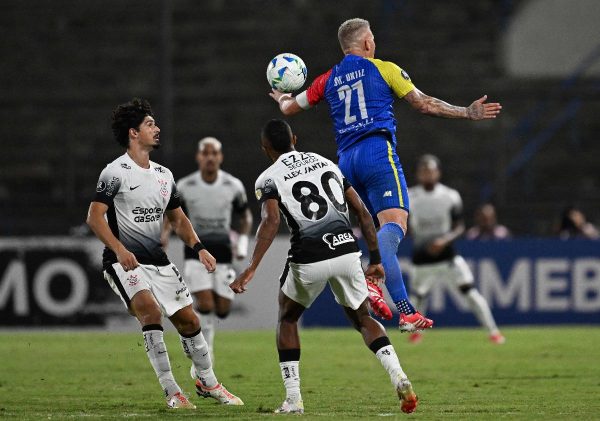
[(350, 31), (209, 141)]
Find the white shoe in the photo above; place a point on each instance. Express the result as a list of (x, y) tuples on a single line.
[(218, 393), (291, 407), (179, 400)]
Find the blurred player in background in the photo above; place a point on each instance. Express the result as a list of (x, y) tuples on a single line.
[(360, 91), (314, 197), (436, 221), (210, 196), (486, 225), (132, 196)]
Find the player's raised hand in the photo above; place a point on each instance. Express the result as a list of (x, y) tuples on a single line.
[(480, 110), (239, 285), (207, 259), (127, 259)]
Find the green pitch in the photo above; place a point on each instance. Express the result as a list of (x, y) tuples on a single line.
[(551, 373)]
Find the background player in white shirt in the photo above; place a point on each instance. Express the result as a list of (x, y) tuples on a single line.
[(210, 196), (132, 196), (435, 222), (314, 198)]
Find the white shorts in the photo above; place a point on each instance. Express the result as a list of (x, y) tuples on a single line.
[(199, 279), (455, 271), (164, 282), (305, 281)]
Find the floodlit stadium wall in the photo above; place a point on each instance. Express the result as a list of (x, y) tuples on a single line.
[(57, 281)]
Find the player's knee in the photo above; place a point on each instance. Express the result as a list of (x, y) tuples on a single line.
[(464, 289), (149, 317), (418, 297), (204, 311), (222, 314), (188, 325), (286, 316)]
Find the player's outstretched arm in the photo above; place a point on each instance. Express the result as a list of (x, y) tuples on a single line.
[(287, 103), (478, 110), (97, 222), (267, 230), (365, 222), (184, 230)]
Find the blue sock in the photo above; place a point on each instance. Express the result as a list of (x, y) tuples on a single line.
[(390, 235)]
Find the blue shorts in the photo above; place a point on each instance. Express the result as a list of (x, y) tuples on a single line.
[(374, 170)]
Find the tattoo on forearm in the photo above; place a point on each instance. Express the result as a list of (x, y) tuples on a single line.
[(440, 108)]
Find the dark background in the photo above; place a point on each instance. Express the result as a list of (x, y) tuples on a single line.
[(67, 64)]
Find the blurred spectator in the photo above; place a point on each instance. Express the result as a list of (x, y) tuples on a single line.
[(486, 225), (573, 224)]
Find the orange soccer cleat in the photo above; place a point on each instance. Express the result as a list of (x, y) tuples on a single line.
[(414, 322), (377, 302)]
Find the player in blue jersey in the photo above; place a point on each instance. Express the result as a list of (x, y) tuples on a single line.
[(360, 91)]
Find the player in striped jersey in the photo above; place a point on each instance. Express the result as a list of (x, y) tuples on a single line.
[(436, 221), (360, 91), (210, 197), (315, 199), (132, 197)]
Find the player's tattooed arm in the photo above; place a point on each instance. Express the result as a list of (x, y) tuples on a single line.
[(267, 230), (478, 110)]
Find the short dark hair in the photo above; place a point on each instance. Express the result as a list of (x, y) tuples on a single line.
[(129, 116), (279, 134)]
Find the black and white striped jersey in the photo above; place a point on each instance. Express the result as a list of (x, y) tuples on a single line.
[(209, 207), (137, 199), (310, 191)]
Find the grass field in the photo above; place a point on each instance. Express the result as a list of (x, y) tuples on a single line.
[(551, 373)]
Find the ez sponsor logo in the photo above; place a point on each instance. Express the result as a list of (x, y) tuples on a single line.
[(334, 240)]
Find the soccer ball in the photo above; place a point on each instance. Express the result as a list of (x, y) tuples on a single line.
[(286, 72)]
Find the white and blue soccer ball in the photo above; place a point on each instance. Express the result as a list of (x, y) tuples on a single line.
[(286, 72)]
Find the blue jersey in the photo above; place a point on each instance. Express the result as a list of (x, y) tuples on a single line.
[(360, 92)]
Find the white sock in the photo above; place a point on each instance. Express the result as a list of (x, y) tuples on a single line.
[(291, 379), (389, 360), (481, 309), (159, 358), (196, 350), (208, 330)]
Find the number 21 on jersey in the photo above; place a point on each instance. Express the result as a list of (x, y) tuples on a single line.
[(345, 94)]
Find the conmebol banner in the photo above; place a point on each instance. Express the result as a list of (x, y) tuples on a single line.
[(527, 281)]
